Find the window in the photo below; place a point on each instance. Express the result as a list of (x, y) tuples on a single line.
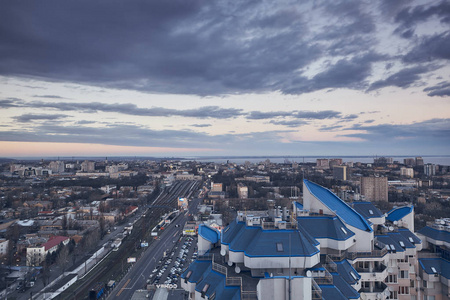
[(403, 290), (391, 279), (404, 274), (370, 211), (353, 275), (280, 247), (343, 230), (393, 295)]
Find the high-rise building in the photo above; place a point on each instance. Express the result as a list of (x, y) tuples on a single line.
[(407, 172), (409, 162), (322, 163), (242, 191), (429, 170), (419, 161), (340, 172), (374, 188), (87, 166), (56, 166)]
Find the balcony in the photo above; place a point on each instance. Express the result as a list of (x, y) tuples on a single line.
[(377, 287)]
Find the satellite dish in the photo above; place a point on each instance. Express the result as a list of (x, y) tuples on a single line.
[(230, 263), (237, 269), (223, 252), (442, 222), (391, 228), (395, 222), (308, 274)]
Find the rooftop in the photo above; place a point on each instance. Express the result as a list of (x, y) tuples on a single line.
[(399, 213), (335, 204)]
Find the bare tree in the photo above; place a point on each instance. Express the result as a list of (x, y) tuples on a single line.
[(62, 258)]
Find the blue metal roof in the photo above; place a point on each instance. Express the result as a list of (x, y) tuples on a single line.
[(398, 213), (198, 267), (208, 233), (330, 292), (344, 268), (346, 289), (367, 209), (335, 204), (408, 234), (393, 239), (298, 205), (330, 227), (255, 241), (435, 234), (442, 266)]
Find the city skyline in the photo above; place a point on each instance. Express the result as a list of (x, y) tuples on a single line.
[(215, 79)]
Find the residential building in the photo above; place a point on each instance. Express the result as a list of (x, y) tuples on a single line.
[(419, 161), (340, 172), (88, 166), (3, 247), (36, 254), (326, 250), (409, 162), (429, 170), (242, 191), (57, 166), (374, 188), (407, 172)]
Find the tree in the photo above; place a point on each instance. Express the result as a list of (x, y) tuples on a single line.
[(62, 258)]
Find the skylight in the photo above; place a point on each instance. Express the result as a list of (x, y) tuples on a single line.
[(343, 230), (388, 247), (280, 247), (433, 269), (205, 288), (411, 240), (353, 275), (392, 247), (402, 244), (370, 211)]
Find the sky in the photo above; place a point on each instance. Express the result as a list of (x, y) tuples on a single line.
[(214, 78)]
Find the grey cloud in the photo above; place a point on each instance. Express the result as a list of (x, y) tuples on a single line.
[(433, 129), (410, 16), (48, 96), (11, 102), (319, 115), (442, 89), (259, 115), (201, 125), (403, 78), (330, 128), (430, 48), (369, 121), (291, 123), (33, 117), (350, 117), (84, 122)]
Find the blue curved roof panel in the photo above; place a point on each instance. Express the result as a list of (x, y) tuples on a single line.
[(435, 234), (335, 204), (208, 233), (398, 213), (330, 227)]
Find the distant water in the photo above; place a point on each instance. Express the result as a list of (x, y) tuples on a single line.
[(438, 160)]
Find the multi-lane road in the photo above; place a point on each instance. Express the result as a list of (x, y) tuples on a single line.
[(137, 277)]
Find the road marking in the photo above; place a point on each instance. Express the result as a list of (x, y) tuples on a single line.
[(124, 286)]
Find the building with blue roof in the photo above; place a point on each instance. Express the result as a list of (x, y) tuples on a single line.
[(326, 249), (403, 215), (369, 211), (207, 238), (320, 200), (435, 275)]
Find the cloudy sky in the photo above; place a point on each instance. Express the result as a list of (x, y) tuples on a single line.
[(197, 78)]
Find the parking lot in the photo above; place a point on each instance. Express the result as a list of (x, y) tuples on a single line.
[(174, 263)]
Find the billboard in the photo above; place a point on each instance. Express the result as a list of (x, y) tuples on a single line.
[(131, 260)]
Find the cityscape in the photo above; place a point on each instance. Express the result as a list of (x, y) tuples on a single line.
[(186, 229), (224, 150)]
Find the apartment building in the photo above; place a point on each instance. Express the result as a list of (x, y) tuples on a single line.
[(322, 249)]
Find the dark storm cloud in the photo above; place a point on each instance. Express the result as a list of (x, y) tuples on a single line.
[(442, 89), (434, 129), (34, 117), (402, 79)]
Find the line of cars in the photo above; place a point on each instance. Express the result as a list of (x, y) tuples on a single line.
[(176, 265)]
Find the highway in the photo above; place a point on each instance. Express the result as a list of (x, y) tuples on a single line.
[(137, 277)]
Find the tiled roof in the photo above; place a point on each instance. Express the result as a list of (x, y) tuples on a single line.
[(335, 204), (53, 241), (398, 213), (330, 227)]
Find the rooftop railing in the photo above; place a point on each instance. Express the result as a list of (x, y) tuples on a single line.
[(316, 291)]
